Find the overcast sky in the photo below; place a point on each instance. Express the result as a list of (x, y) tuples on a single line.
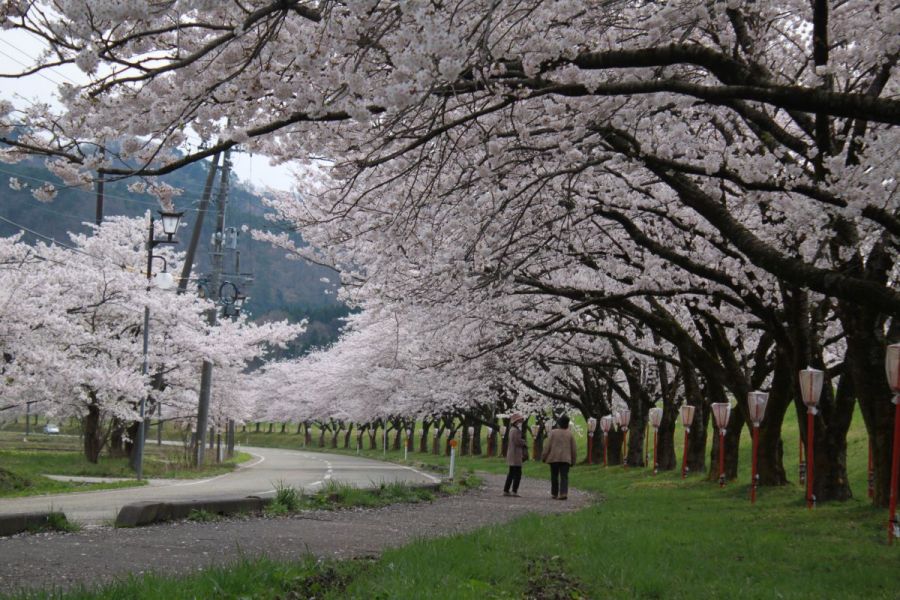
[(19, 50)]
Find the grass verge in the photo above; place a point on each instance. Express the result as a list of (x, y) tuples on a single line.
[(260, 579), (26, 463), (334, 495)]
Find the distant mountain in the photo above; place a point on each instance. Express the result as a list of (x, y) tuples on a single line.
[(281, 288)]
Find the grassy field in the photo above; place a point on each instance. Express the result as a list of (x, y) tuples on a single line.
[(646, 537), (24, 464)]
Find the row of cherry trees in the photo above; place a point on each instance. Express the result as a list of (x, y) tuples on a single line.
[(72, 340), (540, 203)]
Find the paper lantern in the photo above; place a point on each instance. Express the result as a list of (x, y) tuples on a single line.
[(606, 423), (624, 418), (756, 404), (892, 367), (655, 415), (687, 415), (811, 381), (592, 425), (721, 412)]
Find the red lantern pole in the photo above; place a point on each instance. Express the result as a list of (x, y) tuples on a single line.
[(811, 381), (687, 417), (871, 473), (721, 412), (590, 448), (722, 458), (605, 447), (893, 529), (802, 465), (810, 432), (655, 439), (647, 448), (756, 406), (625, 450), (754, 475)]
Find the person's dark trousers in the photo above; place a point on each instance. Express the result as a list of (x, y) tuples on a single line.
[(559, 479), (512, 479)]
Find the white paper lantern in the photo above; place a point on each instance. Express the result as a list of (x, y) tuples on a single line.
[(592, 425), (687, 415), (811, 381), (606, 423), (892, 367), (655, 415), (756, 404), (721, 412), (624, 418)]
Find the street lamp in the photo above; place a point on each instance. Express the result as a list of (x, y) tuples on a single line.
[(592, 427), (624, 419), (811, 381), (892, 370), (656, 415), (170, 221), (756, 404), (606, 424), (721, 412), (687, 418)]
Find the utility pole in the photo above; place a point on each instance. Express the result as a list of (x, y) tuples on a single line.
[(198, 226), (215, 283), (98, 217)]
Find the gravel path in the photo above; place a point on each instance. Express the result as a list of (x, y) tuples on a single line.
[(102, 554)]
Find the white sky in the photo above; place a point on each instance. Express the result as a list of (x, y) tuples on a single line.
[(19, 50)]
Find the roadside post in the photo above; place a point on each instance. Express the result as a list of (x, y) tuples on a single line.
[(453, 443)]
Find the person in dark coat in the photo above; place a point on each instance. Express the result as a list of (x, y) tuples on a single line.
[(515, 453), (560, 453)]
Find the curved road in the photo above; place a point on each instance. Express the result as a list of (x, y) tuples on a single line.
[(269, 469)]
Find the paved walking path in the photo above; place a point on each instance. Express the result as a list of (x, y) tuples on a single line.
[(269, 468), (103, 554)]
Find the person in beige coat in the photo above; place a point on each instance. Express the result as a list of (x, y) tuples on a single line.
[(560, 453), (516, 449)]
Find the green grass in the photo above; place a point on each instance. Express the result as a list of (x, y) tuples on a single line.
[(260, 579), (335, 495), (26, 463), (57, 521), (647, 537)]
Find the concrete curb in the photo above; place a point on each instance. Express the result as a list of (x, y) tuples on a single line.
[(146, 513), (17, 523), (139, 514)]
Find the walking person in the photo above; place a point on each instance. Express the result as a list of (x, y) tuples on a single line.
[(560, 453), (516, 450)]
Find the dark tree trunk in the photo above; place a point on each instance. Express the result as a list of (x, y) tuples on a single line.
[(423, 436), (770, 455), (93, 436), (373, 438), (476, 441), (117, 440), (347, 435), (307, 435), (321, 443)]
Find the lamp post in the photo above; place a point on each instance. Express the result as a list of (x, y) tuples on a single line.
[(721, 412), (687, 419), (756, 404), (655, 415), (606, 424), (624, 419), (170, 221), (811, 381), (591, 427), (892, 370)]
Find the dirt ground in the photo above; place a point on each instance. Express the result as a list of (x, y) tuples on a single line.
[(92, 556)]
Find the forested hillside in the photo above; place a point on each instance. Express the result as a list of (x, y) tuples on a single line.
[(282, 288)]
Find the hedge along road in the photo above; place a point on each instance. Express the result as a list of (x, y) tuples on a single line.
[(269, 469)]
